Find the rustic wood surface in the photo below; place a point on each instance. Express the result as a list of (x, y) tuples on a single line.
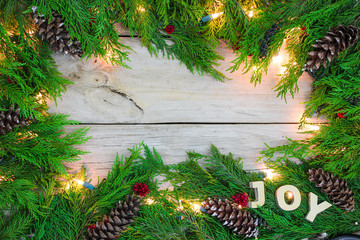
[(164, 104), (172, 141)]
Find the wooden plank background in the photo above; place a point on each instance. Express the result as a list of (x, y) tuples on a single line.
[(161, 102)]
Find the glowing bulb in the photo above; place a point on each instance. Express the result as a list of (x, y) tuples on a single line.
[(251, 13), (277, 59), (196, 207), (85, 184), (149, 201), (181, 207), (289, 195), (313, 127), (216, 15), (269, 174), (141, 9), (79, 181), (282, 71), (39, 97)]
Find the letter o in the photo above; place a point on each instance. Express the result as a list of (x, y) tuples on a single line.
[(280, 198)]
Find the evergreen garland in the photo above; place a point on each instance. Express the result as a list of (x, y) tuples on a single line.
[(40, 200)]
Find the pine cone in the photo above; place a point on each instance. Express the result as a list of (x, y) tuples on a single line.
[(353, 100), (265, 42), (238, 220), (334, 42), (11, 119), (336, 188), (120, 217), (56, 34)]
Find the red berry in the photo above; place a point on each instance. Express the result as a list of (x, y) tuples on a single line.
[(170, 29), (241, 199), (141, 189), (92, 20), (341, 115)]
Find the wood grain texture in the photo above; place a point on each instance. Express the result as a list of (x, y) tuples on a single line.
[(173, 140), (164, 104), (158, 90)]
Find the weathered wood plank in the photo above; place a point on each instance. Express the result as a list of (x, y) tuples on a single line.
[(158, 90), (173, 140)]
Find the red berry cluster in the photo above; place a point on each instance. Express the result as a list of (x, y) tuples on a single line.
[(305, 34), (141, 189), (170, 29), (241, 199), (341, 115)]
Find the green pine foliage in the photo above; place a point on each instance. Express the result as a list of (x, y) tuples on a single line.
[(315, 18), (43, 145), (336, 147), (72, 208), (196, 182), (40, 200), (27, 69), (337, 93), (186, 43), (222, 176)]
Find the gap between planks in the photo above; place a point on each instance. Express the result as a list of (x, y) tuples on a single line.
[(193, 123), (173, 141)]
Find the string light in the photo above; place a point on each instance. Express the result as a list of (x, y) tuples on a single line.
[(277, 59), (211, 16), (313, 127), (140, 9), (149, 201), (289, 195), (40, 98), (196, 207), (269, 173), (85, 184), (283, 69), (181, 207)]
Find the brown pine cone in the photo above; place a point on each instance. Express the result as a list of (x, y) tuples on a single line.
[(328, 48), (55, 33), (11, 119), (120, 217), (336, 188), (238, 220)]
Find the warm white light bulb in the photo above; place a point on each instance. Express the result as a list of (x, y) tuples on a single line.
[(79, 181), (181, 207), (216, 15), (269, 174), (282, 71), (196, 207), (251, 13), (313, 127), (149, 201), (277, 59), (141, 9), (289, 195)]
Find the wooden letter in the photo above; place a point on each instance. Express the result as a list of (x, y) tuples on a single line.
[(259, 194), (315, 208), (280, 197)]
